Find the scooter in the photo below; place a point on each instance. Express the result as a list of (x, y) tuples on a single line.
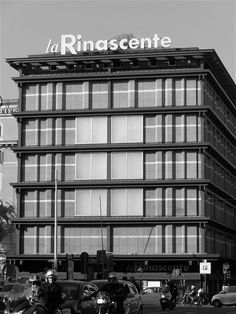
[(166, 302)]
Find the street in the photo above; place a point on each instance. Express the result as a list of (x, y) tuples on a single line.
[(191, 310)]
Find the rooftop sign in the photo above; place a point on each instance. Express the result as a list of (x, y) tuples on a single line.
[(74, 44)]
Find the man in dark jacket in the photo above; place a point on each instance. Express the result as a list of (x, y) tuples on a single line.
[(118, 292), (52, 291)]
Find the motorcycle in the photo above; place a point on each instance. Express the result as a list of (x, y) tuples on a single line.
[(201, 298), (21, 306), (166, 302), (104, 304)]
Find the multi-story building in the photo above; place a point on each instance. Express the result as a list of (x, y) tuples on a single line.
[(8, 166), (144, 146)]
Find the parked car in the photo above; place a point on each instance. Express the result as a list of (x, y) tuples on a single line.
[(225, 297), (77, 297), (151, 296), (133, 303)]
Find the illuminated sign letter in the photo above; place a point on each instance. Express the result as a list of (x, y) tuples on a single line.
[(68, 45)]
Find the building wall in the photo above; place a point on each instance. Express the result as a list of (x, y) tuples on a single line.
[(8, 166), (120, 165)]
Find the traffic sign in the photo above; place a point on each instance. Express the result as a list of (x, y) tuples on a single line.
[(205, 268), (226, 267), (3, 258)]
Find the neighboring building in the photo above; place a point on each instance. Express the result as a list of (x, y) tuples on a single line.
[(8, 164), (144, 143)]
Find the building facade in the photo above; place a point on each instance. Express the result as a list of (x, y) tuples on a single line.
[(142, 148), (8, 166)]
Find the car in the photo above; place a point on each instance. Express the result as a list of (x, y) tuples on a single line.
[(133, 303), (225, 297), (151, 296), (73, 292)]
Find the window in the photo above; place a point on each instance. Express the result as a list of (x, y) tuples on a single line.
[(91, 130), (127, 202), (127, 165), (91, 202), (126, 129), (123, 94), (99, 95), (91, 166)]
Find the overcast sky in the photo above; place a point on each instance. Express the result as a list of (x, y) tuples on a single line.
[(27, 26)]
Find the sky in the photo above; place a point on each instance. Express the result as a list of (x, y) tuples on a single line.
[(27, 26)]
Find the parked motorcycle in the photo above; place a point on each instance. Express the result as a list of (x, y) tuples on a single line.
[(166, 302), (201, 298), (104, 303)]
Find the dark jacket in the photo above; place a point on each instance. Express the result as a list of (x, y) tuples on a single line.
[(53, 296), (117, 291)]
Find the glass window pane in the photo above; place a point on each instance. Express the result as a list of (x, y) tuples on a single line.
[(99, 95), (99, 130), (192, 202), (119, 165), (191, 165), (135, 165), (135, 202), (191, 92), (180, 202), (168, 165), (180, 239), (179, 165), (153, 202), (179, 128), (191, 128), (168, 128), (84, 135), (118, 202), (192, 239), (146, 93), (135, 129)]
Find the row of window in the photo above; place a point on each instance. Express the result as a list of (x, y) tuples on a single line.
[(223, 178), (124, 94), (220, 243), (213, 135), (226, 115), (116, 165), (162, 128), (124, 240), (217, 209), (156, 202)]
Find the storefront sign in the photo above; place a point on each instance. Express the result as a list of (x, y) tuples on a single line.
[(166, 268), (74, 44)]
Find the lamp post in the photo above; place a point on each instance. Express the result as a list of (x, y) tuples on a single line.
[(55, 221)]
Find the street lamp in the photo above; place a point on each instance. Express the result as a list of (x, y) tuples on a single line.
[(55, 221)]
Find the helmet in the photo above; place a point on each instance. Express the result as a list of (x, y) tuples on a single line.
[(51, 273), (112, 277), (34, 280), (192, 287)]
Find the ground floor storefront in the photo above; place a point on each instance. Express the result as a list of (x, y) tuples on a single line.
[(148, 270)]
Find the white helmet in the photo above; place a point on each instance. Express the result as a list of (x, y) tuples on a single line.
[(192, 287), (51, 273)]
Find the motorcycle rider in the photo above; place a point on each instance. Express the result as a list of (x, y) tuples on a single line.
[(173, 291), (36, 296), (52, 291), (191, 294), (118, 292)]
